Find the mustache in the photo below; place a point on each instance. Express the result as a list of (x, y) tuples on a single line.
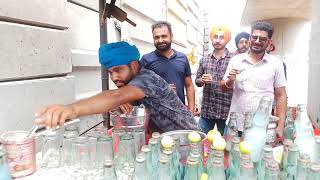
[(217, 44), (119, 82)]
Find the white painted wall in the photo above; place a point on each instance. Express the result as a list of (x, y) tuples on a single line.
[(314, 63), (291, 37)]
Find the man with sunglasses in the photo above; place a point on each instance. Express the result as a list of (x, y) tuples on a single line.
[(264, 76)]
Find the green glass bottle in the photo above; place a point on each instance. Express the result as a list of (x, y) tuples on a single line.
[(289, 125), (169, 153), (153, 143), (303, 165), (272, 171), (192, 169), (314, 171), (176, 157), (293, 155), (4, 168), (284, 162), (163, 169), (108, 171), (217, 170), (147, 153), (247, 171), (233, 171), (141, 171), (267, 156)]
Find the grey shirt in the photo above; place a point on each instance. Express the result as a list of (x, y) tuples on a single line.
[(167, 112)]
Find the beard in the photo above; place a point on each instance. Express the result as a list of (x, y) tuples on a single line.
[(218, 46), (163, 46), (257, 49), (121, 83), (243, 50)]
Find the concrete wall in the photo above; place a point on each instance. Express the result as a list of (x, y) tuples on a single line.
[(291, 38), (49, 52), (314, 63)]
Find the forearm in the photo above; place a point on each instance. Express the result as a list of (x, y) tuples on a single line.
[(191, 97), (100, 103), (281, 108)]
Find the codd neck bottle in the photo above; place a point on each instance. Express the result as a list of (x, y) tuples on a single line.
[(284, 162), (288, 126), (4, 168), (233, 171), (125, 155), (156, 136), (247, 123), (262, 165), (147, 153), (141, 171), (232, 130), (303, 165), (217, 171), (192, 169), (108, 171), (104, 150), (256, 135), (168, 152), (154, 155), (304, 133), (293, 155), (314, 171), (176, 157), (139, 139), (272, 171), (247, 171), (163, 169)]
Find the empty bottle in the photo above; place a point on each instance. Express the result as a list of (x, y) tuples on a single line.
[(141, 170), (303, 165), (4, 168), (293, 155), (314, 171), (192, 169), (272, 171), (217, 171), (108, 171)]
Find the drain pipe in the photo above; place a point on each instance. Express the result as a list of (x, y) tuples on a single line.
[(104, 72)]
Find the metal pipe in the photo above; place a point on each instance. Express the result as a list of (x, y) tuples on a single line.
[(104, 72)]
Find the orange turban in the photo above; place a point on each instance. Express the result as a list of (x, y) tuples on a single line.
[(221, 30)]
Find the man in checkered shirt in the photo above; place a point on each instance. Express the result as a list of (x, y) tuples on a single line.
[(215, 103)]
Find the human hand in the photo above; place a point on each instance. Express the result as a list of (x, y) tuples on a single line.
[(54, 115), (233, 74), (173, 87), (126, 108), (206, 78)]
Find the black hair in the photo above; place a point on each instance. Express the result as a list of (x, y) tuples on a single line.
[(159, 24), (262, 26)]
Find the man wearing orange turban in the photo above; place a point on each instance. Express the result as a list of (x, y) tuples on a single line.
[(215, 103)]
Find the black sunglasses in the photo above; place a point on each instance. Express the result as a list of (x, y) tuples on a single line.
[(261, 38)]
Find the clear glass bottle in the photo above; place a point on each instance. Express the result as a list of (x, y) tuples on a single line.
[(293, 155), (304, 133), (51, 150), (124, 158), (289, 125), (139, 138), (4, 168), (247, 123), (176, 157), (108, 171), (141, 170), (314, 171), (104, 150), (81, 157), (169, 153), (217, 171), (247, 171), (192, 169), (284, 162), (256, 135), (303, 165), (232, 130), (272, 171), (70, 133), (271, 131)]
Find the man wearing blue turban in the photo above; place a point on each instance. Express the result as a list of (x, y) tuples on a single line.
[(135, 85), (242, 42)]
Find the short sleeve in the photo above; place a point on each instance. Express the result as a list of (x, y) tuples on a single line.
[(280, 78), (187, 68), (229, 67)]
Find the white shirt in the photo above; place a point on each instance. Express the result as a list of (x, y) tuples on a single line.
[(255, 81)]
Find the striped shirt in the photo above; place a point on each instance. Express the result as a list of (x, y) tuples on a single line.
[(215, 103), (254, 81)]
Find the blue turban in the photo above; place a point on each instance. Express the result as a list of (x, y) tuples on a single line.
[(240, 36), (117, 54)]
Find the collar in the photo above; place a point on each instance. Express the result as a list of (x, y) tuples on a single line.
[(226, 54), (264, 59), (157, 52)]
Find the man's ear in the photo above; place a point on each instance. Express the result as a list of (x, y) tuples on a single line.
[(135, 65)]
